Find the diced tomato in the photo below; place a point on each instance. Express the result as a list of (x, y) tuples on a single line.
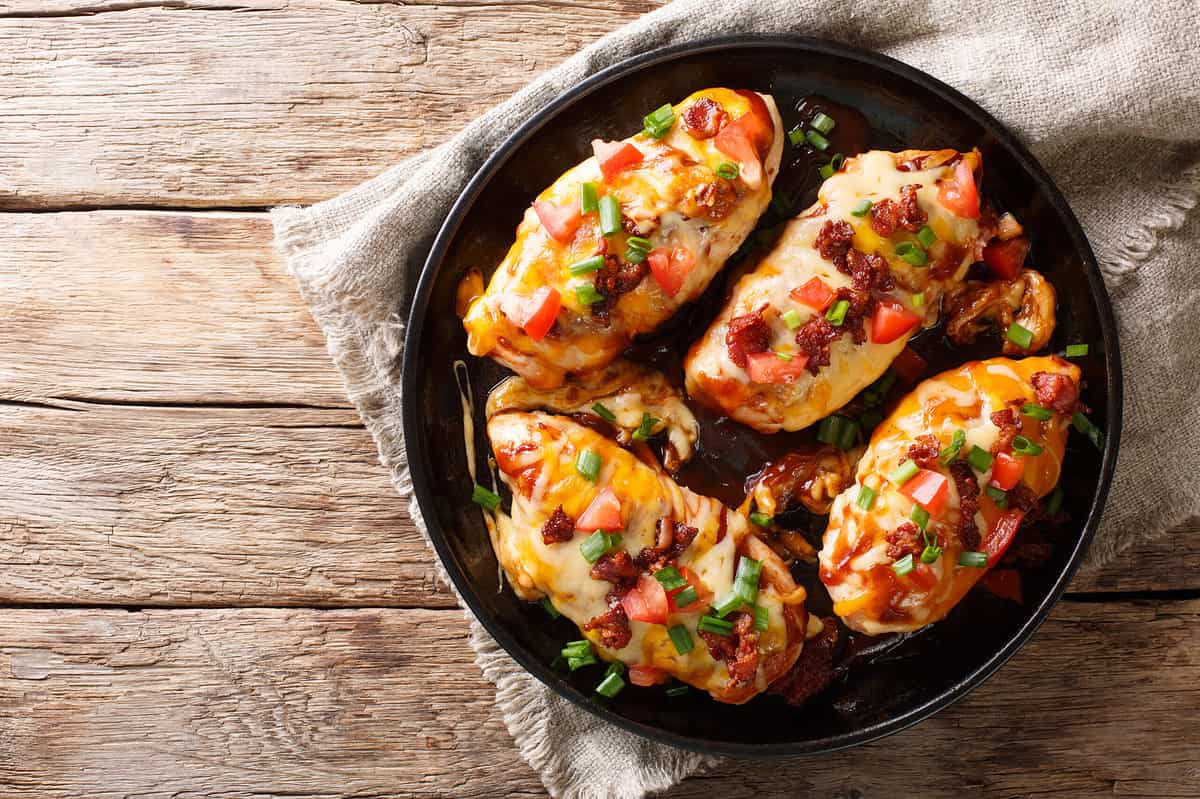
[(891, 321), (1004, 583), (542, 310), (560, 221), (646, 676), (1002, 535), (1006, 258), (929, 489), (959, 194), (815, 294), (647, 601), (767, 367), (748, 138), (671, 267), (603, 513), (1007, 470), (702, 593), (909, 366), (613, 156)]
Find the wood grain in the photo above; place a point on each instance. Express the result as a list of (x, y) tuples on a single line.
[(346, 703)]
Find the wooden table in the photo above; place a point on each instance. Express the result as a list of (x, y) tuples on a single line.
[(209, 587)]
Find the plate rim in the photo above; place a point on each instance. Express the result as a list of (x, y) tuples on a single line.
[(422, 483)]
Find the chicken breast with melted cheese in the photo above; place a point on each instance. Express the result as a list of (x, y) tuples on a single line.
[(942, 488), (618, 243), (850, 280)]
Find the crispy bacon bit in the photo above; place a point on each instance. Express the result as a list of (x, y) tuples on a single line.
[(1056, 391), (613, 625), (905, 539), (834, 240), (862, 305), (885, 217), (704, 119), (672, 539), (1022, 498), (925, 451), (558, 528), (713, 200), (617, 568), (738, 651), (968, 504), (747, 334), (813, 670), (1006, 420), (813, 339), (868, 272), (911, 217), (615, 278)]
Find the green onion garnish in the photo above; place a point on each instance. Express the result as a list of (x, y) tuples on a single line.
[(904, 565), (931, 553), (587, 295), (711, 624), (1019, 335), (979, 458), (950, 453), (639, 243), (920, 517), (826, 172), (998, 495), (840, 431), (1023, 446), (792, 319), (904, 472), (783, 356), (610, 215), (681, 638), (918, 299), (598, 544), (866, 497), (796, 135), (575, 649), (604, 413), (823, 122), (817, 140), (1085, 426), (836, 162), (976, 560), (659, 121), (587, 463), (762, 519), (1077, 350), (588, 197), (837, 314), (727, 170), (611, 685), (635, 256), (762, 618), (912, 253), (645, 428), (548, 606), (926, 236), (670, 578), (686, 597), (727, 604), (488, 500), (745, 581), (616, 667), (678, 690), (587, 265), (1056, 501), (862, 208), (1035, 411)]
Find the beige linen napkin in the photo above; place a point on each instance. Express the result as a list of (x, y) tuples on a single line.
[(1106, 96)]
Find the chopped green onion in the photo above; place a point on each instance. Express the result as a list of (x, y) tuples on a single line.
[(1085, 426), (578, 663), (976, 560), (884, 384), (575, 649), (686, 597), (634, 255), (912, 253), (711, 624), (904, 472), (604, 413), (796, 135), (762, 519), (587, 295), (931, 553), (587, 463), (866, 497), (904, 565), (826, 172), (836, 162), (950, 453), (1077, 350), (727, 170), (727, 604), (762, 618), (817, 140), (681, 638), (837, 314), (587, 265), (998, 495), (548, 606), (920, 517), (639, 243), (918, 299), (659, 121), (588, 197), (1019, 335), (670, 578), (1023, 446), (678, 690), (792, 319), (979, 458), (598, 544), (488, 500), (1056, 501), (783, 356), (840, 431), (1035, 411), (616, 667), (926, 236), (610, 686), (645, 428), (823, 122), (862, 208), (745, 581), (610, 215)]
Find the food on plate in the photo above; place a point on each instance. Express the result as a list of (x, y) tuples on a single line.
[(661, 580), (822, 315), (619, 242), (942, 488)]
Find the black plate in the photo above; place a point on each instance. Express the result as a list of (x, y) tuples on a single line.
[(900, 107)]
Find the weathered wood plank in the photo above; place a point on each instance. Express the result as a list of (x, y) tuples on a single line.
[(387, 702), (181, 105)]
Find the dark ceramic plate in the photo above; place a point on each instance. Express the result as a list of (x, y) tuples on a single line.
[(885, 685)]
